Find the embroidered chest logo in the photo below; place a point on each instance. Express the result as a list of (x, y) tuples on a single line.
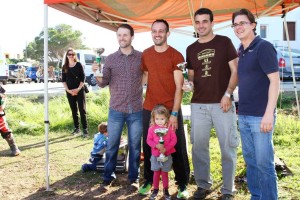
[(204, 56)]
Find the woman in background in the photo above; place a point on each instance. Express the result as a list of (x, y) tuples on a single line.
[(73, 78)]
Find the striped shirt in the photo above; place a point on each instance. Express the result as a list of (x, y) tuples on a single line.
[(123, 74)]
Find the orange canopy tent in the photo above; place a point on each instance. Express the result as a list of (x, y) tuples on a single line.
[(141, 13)]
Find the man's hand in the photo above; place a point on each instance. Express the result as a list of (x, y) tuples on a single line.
[(173, 122), (95, 67), (266, 124), (188, 86), (225, 103)]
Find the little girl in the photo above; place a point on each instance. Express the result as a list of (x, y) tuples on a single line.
[(159, 120)]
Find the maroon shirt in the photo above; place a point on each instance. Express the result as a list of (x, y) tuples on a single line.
[(211, 69), (123, 74)]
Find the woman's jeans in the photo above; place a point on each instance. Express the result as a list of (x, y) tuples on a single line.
[(116, 121), (258, 152)]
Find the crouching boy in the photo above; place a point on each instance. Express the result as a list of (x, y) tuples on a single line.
[(100, 143), (6, 133)]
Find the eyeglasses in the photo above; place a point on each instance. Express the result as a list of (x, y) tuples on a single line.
[(242, 23), (71, 54)]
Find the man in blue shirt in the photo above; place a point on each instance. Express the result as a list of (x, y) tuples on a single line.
[(258, 80)]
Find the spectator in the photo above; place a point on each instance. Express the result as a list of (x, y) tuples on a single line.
[(6, 133), (73, 78), (100, 143)]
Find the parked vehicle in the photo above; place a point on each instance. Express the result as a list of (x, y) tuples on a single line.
[(31, 73), (58, 75), (3, 69), (283, 57), (17, 74)]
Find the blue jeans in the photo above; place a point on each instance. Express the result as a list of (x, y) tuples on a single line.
[(116, 121), (258, 152)]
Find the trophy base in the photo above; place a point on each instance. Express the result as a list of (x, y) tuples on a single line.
[(98, 75), (162, 159)]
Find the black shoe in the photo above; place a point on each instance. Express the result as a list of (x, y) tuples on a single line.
[(85, 133), (227, 197), (167, 195), (154, 194), (134, 185), (76, 131), (105, 185), (201, 193)]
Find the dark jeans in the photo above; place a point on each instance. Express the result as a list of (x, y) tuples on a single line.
[(180, 165), (93, 166), (78, 103)]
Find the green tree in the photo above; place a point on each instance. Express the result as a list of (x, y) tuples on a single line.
[(60, 38)]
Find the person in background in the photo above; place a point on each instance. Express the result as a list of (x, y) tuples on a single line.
[(159, 121), (258, 93), (100, 143), (123, 75), (6, 133), (164, 82), (73, 78), (212, 72)]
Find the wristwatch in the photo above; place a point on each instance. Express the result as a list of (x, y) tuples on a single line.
[(227, 94), (174, 113)]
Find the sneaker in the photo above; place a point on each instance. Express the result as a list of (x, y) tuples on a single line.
[(85, 133), (145, 189), (167, 195), (227, 197), (134, 185), (182, 192), (201, 193), (76, 131), (105, 185), (154, 194), (84, 168)]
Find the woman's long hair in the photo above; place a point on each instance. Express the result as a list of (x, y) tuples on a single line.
[(66, 63)]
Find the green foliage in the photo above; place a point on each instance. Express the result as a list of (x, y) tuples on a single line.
[(25, 115), (60, 38)]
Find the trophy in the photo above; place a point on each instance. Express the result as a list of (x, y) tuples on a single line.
[(98, 73), (161, 132), (186, 83)]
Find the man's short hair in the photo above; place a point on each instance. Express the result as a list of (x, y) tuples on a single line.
[(248, 14), (203, 11), (162, 21), (127, 26)]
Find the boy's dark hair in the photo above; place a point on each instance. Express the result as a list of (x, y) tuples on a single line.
[(248, 14), (206, 11), (102, 128), (127, 26), (162, 21)]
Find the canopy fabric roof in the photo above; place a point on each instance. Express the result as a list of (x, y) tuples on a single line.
[(141, 13)]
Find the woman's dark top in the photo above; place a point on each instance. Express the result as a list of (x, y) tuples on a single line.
[(73, 76)]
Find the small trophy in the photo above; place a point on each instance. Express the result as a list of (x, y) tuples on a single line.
[(186, 83), (98, 73), (161, 132)]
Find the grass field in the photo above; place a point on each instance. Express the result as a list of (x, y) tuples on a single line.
[(24, 177)]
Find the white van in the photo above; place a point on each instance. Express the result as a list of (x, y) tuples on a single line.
[(3, 68)]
